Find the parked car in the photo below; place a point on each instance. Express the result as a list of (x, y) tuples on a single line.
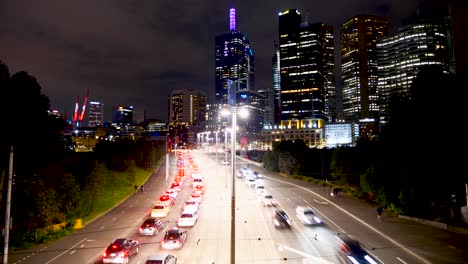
[(161, 258), (120, 250), (281, 219), (174, 238), (307, 216), (151, 227)]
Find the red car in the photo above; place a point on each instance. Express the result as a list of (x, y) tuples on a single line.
[(166, 199)]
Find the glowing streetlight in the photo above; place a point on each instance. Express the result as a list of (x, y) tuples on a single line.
[(242, 112)]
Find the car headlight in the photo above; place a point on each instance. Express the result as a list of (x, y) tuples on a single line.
[(353, 260), (369, 259)]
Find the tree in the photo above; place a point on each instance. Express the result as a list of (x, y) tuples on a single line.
[(68, 192)]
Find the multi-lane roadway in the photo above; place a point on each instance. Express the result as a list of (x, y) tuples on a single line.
[(256, 238)]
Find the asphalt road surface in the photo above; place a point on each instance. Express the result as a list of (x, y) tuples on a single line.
[(257, 240)]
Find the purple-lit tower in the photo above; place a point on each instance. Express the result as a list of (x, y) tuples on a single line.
[(234, 74), (232, 19), (234, 62)]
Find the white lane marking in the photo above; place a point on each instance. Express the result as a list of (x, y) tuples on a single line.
[(304, 254), (402, 261), (102, 227), (58, 256), (320, 202), (360, 221), (71, 252), (115, 218)]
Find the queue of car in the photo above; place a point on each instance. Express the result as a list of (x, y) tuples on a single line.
[(122, 249)]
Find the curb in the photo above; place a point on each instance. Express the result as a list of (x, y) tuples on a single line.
[(450, 228)]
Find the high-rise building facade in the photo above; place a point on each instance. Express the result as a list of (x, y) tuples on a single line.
[(188, 106), (276, 87), (307, 71), (122, 115), (359, 36), (424, 41), (234, 62), (95, 114)]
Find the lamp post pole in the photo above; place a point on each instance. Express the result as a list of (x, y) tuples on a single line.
[(225, 144), (233, 194), (7, 213)]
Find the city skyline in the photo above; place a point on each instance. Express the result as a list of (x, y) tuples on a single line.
[(136, 54)]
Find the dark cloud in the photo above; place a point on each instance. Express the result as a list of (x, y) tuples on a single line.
[(137, 52)]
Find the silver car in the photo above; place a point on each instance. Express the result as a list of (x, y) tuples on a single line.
[(174, 238), (307, 216), (161, 258)]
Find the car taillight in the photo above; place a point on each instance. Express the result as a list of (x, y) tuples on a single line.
[(104, 254), (141, 229)]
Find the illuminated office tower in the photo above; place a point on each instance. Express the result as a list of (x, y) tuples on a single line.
[(234, 62), (188, 107), (276, 87), (359, 36), (423, 41), (95, 114), (307, 71), (122, 115)]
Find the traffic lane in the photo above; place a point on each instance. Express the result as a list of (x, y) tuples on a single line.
[(396, 251), (293, 244), (86, 245), (205, 241), (381, 249), (254, 240), (310, 242)]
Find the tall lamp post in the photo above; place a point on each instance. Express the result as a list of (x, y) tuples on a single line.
[(243, 113)]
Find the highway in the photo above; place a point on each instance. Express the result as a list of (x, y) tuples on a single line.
[(257, 240)]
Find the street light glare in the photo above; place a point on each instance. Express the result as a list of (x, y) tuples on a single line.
[(225, 112), (244, 113)]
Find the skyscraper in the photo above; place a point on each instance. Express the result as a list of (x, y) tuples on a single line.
[(234, 62), (359, 36), (276, 87), (122, 115), (307, 71), (422, 41), (95, 114), (188, 106)]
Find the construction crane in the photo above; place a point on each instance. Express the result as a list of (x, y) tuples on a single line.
[(77, 118)]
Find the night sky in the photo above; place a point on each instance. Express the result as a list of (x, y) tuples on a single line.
[(137, 52)]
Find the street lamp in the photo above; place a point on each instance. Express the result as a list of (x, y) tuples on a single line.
[(234, 110)]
